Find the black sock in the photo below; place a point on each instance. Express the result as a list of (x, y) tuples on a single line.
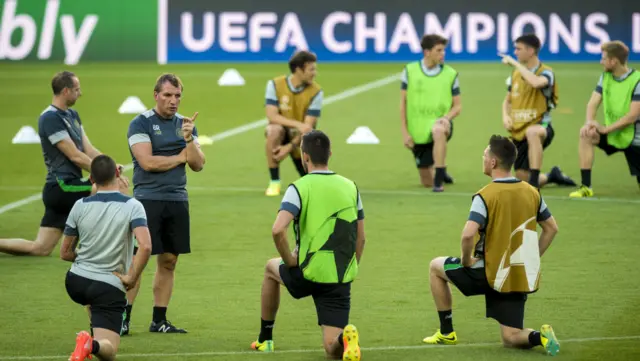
[(586, 177), (534, 177), (266, 330), (534, 338), (446, 322), (638, 178), (299, 167), (440, 172), (159, 314), (127, 316), (340, 340), (95, 347), (275, 173)]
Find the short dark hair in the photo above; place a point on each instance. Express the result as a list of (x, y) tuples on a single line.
[(431, 40), (103, 170), (300, 59), (503, 149), (170, 78), (62, 80), (318, 146), (530, 40)]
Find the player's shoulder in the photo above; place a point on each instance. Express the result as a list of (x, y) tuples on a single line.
[(131, 201), (316, 86), (49, 112), (143, 118), (278, 79)]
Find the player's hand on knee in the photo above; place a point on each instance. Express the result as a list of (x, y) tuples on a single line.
[(280, 152)]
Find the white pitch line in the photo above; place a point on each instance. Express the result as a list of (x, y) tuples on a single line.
[(426, 192), (245, 128), (303, 351)]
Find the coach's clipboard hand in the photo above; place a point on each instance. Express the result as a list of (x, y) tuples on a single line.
[(126, 280)]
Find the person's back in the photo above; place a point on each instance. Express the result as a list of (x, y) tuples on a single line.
[(99, 241), (327, 227), (104, 223), (511, 251)]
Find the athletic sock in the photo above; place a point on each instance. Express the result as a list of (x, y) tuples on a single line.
[(534, 177), (299, 167), (266, 330), (275, 174), (95, 347), (159, 314), (439, 178), (127, 317), (534, 338), (446, 322), (586, 177), (340, 340)]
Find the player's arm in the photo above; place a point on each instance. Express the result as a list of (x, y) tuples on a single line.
[(140, 144), (593, 105), (456, 106), (138, 224), (477, 219), (195, 156), (548, 225), (271, 108), (70, 241), (631, 117), (403, 103), (74, 154), (289, 209), (536, 81), (56, 132), (360, 237), (89, 149)]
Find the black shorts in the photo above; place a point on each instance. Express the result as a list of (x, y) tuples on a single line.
[(333, 301), (522, 159), (107, 302), (169, 226), (507, 309), (632, 153), (58, 201), (423, 153)]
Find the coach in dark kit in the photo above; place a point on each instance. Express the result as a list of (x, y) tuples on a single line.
[(162, 142)]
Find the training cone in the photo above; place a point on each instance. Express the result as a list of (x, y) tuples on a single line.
[(363, 135)]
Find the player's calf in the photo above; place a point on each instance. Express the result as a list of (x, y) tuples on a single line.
[(440, 134)]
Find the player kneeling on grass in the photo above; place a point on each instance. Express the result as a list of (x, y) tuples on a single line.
[(502, 222), (619, 90), (329, 225), (98, 239)]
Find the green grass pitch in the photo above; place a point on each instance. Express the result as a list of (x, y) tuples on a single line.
[(589, 287)]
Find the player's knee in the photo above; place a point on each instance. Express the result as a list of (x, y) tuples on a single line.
[(439, 133), (168, 263), (275, 131), (535, 133), (272, 267), (436, 266)]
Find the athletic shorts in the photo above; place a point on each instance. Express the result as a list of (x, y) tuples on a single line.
[(507, 309), (333, 301), (522, 159), (59, 198), (107, 302), (632, 153), (423, 153), (169, 226)]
